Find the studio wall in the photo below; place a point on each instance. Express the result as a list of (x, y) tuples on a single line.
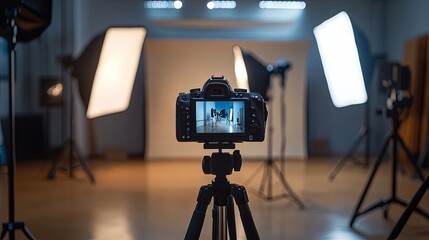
[(175, 66)]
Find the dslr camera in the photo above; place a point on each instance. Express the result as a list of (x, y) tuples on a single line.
[(217, 113)]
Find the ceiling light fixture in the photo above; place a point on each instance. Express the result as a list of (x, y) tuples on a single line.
[(291, 5), (221, 4), (163, 4)]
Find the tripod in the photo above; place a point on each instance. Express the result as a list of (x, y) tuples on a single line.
[(415, 200), (394, 138), (11, 226), (223, 193)]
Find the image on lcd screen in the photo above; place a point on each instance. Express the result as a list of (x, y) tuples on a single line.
[(219, 117)]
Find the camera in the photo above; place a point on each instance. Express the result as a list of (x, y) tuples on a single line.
[(217, 113)]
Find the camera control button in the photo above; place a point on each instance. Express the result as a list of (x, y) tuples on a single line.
[(250, 137), (194, 90), (240, 90), (254, 129)]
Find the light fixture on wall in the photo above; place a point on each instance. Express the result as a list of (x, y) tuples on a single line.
[(20, 21), (105, 73), (348, 67), (254, 76)]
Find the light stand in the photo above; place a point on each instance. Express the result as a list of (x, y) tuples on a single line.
[(269, 165), (13, 225), (258, 77), (23, 21), (70, 149), (396, 105)]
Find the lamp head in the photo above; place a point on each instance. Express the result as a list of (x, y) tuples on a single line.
[(250, 72), (31, 17), (107, 68), (341, 62)]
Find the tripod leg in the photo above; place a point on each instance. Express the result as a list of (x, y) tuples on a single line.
[(409, 210), (368, 184), (287, 187), (410, 156), (242, 200), (231, 219), (196, 224)]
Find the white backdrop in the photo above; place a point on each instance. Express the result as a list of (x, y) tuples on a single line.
[(175, 66)]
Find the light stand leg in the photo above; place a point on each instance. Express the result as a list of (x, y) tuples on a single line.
[(363, 134), (269, 166), (410, 209), (411, 158), (396, 139), (70, 150), (291, 193), (82, 162), (423, 154), (377, 163)]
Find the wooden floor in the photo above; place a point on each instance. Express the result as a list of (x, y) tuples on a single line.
[(133, 199)]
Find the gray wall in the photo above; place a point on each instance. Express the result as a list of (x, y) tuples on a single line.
[(387, 25)]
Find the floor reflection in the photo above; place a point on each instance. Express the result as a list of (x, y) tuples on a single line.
[(112, 224)]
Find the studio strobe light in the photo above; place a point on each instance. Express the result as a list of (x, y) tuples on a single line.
[(105, 73), (348, 65)]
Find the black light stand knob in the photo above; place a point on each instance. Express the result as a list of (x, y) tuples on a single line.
[(206, 164), (237, 161)]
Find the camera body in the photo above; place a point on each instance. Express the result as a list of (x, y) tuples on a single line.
[(217, 113)]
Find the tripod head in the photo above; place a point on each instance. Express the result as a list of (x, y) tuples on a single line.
[(220, 163)]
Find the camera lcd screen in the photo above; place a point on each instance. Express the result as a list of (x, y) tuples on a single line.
[(219, 117)]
